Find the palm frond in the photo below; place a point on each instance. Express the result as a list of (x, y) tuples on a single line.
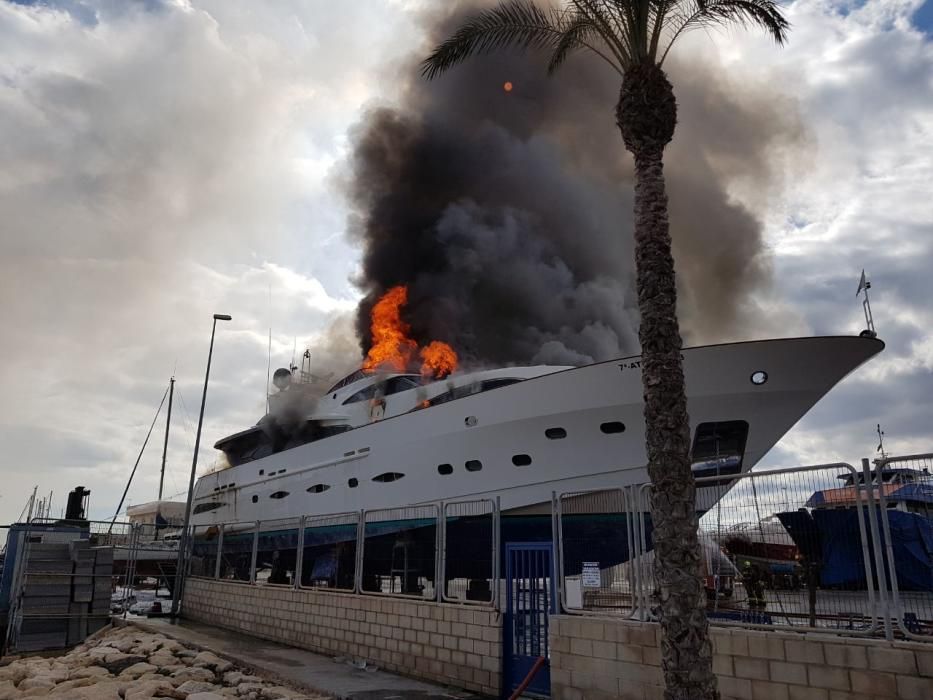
[(709, 13), (576, 35), (518, 23), (603, 16)]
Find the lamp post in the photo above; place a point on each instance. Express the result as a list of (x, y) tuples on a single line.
[(183, 542)]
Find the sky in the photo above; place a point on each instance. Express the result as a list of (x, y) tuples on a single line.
[(163, 160)]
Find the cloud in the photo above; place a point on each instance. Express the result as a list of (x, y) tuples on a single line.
[(163, 161), (166, 160)]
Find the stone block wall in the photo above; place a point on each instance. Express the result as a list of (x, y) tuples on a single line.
[(599, 658), (459, 645)]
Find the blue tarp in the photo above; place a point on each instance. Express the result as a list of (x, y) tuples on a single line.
[(842, 561)]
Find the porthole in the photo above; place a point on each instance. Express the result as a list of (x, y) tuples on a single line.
[(317, 488), (521, 460), (352, 483), (255, 499), (758, 378), (278, 494), (387, 477), (555, 433), (261, 472), (612, 427), (445, 469), (473, 465)]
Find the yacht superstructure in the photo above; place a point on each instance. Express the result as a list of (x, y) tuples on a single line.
[(517, 434)]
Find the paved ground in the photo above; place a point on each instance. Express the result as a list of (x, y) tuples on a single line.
[(297, 666)]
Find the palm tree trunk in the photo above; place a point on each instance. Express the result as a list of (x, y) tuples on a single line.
[(647, 116)]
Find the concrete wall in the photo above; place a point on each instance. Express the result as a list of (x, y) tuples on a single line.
[(455, 644), (597, 658)]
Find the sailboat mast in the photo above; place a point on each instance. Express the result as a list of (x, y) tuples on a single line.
[(168, 422)]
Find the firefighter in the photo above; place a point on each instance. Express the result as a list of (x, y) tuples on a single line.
[(751, 577)]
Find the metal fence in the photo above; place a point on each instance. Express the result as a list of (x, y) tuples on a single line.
[(904, 488), (825, 547), (440, 551)]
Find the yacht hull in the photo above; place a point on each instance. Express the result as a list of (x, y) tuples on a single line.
[(395, 462)]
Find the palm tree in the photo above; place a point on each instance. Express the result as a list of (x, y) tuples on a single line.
[(634, 37)]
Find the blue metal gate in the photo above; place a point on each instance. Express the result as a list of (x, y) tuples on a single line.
[(530, 597)]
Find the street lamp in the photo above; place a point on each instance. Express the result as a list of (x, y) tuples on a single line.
[(183, 542)]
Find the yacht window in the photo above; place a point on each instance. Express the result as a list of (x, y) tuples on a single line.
[(386, 477), (490, 384), (349, 379), (353, 483), (363, 394), (555, 433), (318, 488), (261, 472), (255, 499), (445, 469), (278, 494), (521, 460), (718, 448), (205, 507), (473, 465), (612, 427), (397, 384)]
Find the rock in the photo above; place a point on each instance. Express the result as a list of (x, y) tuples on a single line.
[(237, 677), (8, 690), (90, 672), (14, 673), (189, 687), (35, 693), (137, 670), (162, 658), (147, 689), (206, 696), (117, 662), (186, 653), (74, 683), (247, 688), (35, 682), (103, 690), (194, 674), (206, 658)]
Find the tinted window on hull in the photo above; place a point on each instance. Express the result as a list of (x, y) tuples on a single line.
[(555, 433), (388, 476), (205, 507), (719, 448)]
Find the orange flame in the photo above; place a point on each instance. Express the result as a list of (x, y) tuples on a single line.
[(439, 359), (393, 350)]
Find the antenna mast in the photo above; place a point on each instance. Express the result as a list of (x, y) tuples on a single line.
[(863, 286), (168, 422)]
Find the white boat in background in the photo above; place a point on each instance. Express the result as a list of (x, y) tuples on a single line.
[(518, 434)]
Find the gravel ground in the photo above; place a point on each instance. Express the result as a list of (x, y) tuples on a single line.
[(129, 664)]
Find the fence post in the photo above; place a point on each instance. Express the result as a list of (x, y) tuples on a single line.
[(252, 564), (300, 553), (496, 551), (889, 548), (360, 544), (557, 538), (440, 553), (220, 550), (876, 550)]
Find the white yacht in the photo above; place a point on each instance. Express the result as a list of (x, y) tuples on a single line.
[(517, 433)]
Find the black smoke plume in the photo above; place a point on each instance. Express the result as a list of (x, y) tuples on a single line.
[(509, 213)]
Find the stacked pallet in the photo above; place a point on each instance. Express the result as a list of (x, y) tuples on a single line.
[(65, 594)]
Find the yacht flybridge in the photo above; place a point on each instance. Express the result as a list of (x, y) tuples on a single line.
[(379, 440)]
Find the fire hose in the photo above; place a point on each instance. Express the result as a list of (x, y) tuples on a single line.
[(531, 674)]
